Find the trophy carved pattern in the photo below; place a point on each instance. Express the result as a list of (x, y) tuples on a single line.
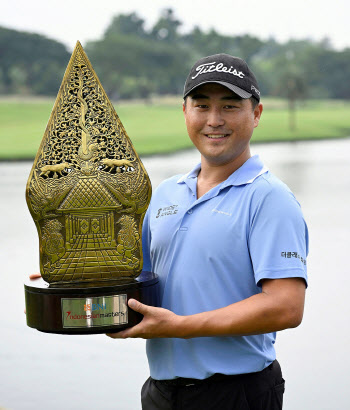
[(88, 190)]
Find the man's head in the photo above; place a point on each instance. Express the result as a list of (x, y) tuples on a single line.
[(231, 72), (223, 108)]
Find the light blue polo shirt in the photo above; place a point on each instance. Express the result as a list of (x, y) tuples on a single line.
[(214, 251)]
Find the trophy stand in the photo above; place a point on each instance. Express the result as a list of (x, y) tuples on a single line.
[(87, 192), (85, 308)]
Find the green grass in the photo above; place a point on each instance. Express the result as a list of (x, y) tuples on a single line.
[(314, 120), (159, 128)]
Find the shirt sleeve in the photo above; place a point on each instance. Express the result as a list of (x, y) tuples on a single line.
[(278, 237)]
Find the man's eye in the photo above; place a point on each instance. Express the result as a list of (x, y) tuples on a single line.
[(230, 107), (202, 106)]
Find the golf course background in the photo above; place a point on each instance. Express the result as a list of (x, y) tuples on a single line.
[(158, 127)]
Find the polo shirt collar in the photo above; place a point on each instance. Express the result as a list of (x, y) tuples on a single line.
[(246, 174), (190, 175)]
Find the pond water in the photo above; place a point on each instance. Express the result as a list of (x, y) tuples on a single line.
[(45, 371)]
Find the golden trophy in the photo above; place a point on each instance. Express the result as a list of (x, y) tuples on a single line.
[(88, 193)]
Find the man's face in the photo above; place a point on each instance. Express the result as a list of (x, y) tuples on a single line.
[(219, 124)]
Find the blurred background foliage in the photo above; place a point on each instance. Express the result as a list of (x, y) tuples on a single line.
[(135, 62)]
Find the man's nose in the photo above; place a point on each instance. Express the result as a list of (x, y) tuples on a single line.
[(215, 118)]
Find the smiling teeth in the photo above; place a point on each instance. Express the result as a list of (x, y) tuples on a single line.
[(216, 136)]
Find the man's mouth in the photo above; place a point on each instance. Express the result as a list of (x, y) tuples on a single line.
[(216, 136)]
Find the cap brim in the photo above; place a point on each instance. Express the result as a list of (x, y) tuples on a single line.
[(234, 88)]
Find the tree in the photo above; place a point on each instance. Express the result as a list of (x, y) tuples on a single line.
[(249, 46), (154, 65), (135, 62), (24, 57), (292, 85), (166, 27), (129, 24)]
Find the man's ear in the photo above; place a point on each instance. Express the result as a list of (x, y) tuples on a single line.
[(257, 114)]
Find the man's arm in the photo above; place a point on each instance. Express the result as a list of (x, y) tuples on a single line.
[(279, 306)]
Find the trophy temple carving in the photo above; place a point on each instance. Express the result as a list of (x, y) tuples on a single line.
[(88, 190)]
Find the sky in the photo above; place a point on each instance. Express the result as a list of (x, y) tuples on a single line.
[(83, 20)]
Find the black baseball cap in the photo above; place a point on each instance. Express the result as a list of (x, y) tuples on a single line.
[(231, 72)]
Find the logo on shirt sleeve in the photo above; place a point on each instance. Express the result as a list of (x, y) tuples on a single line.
[(293, 255), (168, 210)]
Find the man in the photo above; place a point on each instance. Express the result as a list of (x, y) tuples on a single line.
[(229, 243), (230, 254)]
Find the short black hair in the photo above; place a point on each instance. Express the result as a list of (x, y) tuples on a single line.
[(254, 102)]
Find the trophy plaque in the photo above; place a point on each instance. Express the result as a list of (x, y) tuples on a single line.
[(88, 193)]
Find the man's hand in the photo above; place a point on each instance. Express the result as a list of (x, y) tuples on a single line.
[(156, 322), (35, 275)]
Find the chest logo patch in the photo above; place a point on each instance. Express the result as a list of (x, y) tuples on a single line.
[(221, 212), (168, 210)]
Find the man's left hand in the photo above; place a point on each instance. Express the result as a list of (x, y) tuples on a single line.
[(156, 322)]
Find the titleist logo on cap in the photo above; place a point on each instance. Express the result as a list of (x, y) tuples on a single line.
[(220, 68)]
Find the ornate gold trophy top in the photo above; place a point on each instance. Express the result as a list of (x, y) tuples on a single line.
[(88, 190)]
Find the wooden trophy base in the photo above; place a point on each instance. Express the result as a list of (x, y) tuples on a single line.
[(88, 308)]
